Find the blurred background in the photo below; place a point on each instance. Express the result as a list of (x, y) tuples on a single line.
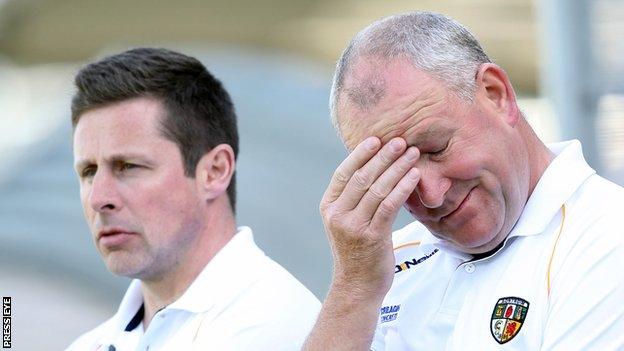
[(276, 59)]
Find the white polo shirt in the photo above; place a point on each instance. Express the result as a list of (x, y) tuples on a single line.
[(242, 300), (556, 284)]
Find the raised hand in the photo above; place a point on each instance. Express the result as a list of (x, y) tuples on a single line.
[(358, 208)]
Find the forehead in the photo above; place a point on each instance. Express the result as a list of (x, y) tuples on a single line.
[(405, 101), (128, 126)]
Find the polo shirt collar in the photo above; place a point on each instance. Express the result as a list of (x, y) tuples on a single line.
[(430, 242), (226, 275), (214, 285), (563, 176), (129, 306)]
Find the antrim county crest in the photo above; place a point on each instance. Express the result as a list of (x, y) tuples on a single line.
[(507, 318)]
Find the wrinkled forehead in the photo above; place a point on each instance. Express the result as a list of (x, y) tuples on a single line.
[(387, 100), (365, 84)]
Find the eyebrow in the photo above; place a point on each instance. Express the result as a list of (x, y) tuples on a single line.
[(433, 130), (115, 158)]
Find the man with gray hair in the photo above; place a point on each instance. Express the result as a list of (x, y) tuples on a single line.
[(515, 241)]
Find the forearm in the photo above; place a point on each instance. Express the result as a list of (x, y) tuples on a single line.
[(346, 322), (358, 209)]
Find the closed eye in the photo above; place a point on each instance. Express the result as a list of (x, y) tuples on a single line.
[(439, 152)]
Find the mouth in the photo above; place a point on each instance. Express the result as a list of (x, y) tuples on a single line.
[(114, 236), (461, 205)]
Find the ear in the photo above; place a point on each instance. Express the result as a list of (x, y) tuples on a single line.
[(214, 171), (495, 93)]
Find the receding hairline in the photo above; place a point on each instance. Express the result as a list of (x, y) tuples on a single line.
[(433, 43)]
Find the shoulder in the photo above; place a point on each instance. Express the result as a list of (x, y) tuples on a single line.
[(591, 241), (599, 195), (585, 283), (272, 294), (90, 340), (594, 213), (273, 311), (266, 279), (276, 292)]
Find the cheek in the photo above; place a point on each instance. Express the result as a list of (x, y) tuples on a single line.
[(168, 206), (87, 210), (488, 218), (464, 165)]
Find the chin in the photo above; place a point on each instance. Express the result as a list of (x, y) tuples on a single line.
[(121, 265), (485, 247), (477, 239), (127, 272)]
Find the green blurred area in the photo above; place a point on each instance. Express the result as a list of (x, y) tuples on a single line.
[(40, 31)]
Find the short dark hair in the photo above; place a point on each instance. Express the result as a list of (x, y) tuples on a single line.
[(199, 113)]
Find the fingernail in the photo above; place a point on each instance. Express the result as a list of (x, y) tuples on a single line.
[(414, 173), (371, 143), (411, 153), (395, 145)]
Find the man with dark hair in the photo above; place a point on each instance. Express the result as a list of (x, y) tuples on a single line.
[(516, 242), (155, 146)]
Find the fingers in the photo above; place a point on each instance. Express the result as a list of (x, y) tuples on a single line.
[(389, 207), (358, 157), (362, 200), (386, 183), (363, 178)]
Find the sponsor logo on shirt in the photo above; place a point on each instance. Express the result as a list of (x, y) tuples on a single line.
[(389, 313), (413, 262), (507, 318)]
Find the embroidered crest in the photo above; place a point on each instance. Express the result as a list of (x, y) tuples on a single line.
[(507, 318)]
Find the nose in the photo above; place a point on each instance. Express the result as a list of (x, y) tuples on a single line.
[(432, 187), (103, 195)]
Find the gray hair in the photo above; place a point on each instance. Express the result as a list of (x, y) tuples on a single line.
[(436, 44)]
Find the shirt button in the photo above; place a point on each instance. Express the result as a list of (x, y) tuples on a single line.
[(469, 268)]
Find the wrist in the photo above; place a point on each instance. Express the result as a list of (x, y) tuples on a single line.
[(359, 291)]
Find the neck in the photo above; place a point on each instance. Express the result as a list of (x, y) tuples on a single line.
[(539, 155), (158, 292)]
